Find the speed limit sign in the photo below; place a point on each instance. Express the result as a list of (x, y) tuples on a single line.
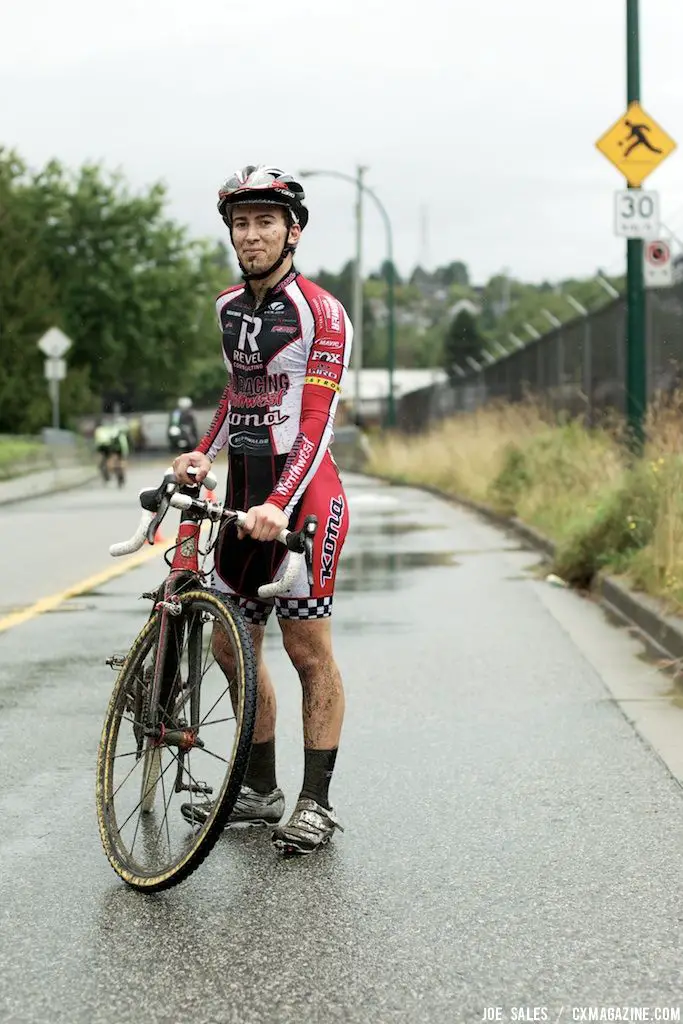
[(636, 213)]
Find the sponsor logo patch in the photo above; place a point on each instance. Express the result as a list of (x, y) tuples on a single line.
[(332, 384), (331, 539), (327, 357)]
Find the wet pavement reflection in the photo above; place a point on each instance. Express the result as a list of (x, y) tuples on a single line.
[(500, 838)]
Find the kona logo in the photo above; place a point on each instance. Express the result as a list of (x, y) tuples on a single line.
[(256, 419), (331, 539)]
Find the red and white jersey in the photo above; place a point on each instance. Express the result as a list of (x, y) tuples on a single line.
[(287, 359)]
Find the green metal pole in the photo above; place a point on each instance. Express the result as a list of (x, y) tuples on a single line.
[(636, 370), (391, 355)]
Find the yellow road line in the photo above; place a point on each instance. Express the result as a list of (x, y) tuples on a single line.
[(46, 604)]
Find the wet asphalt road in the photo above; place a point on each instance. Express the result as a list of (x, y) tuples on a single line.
[(510, 840)]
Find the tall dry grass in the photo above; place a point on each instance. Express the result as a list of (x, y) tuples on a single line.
[(604, 508)]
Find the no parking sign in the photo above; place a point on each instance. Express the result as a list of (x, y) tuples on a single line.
[(657, 264)]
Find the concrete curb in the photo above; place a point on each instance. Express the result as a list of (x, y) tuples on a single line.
[(636, 610), (25, 488)]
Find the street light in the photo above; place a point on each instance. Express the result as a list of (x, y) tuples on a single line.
[(391, 329)]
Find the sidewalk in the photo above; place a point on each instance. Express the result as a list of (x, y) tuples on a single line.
[(45, 481)]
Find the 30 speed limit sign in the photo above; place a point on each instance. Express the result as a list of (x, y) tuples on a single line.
[(636, 213)]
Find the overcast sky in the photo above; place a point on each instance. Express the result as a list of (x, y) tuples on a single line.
[(482, 113)]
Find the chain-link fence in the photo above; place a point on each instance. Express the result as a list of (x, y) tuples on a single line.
[(579, 367)]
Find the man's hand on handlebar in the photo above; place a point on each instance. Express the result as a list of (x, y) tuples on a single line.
[(199, 460), (264, 522)]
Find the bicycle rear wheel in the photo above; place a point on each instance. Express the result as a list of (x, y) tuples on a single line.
[(186, 741)]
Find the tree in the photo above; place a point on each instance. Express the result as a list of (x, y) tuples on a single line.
[(128, 286), (452, 273), (462, 340)]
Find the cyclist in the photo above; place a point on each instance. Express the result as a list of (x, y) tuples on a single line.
[(111, 441), (286, 345), (182, 426)]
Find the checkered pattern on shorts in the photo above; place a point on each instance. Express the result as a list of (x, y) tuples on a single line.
[(256, 612), (303, 607)]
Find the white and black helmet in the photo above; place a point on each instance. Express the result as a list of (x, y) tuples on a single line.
[(265, 184)]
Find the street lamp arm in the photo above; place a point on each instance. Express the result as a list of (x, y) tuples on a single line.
[(368, 191), (391, 324)]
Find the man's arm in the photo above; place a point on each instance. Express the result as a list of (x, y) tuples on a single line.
[(216, 437), (327, 361)]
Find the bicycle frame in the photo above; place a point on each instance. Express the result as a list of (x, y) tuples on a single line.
[(184, 567)]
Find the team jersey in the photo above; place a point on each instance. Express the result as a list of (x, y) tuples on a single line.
[(286, 359)]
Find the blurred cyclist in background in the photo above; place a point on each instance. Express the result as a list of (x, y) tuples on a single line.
[(182, 427), (111, 441)]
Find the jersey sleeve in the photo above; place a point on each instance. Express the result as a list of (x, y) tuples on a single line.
[(216, 437), (328, 360)]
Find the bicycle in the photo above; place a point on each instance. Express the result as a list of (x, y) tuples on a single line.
[(112, 462), (169, 712)]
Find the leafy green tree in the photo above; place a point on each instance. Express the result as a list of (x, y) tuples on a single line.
[(128, 286), (452, 273)]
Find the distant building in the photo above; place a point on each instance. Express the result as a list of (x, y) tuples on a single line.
[(374, 390)]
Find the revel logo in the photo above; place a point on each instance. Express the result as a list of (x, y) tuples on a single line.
[(249, 331)]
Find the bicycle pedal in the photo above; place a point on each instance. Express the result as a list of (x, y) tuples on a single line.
[(203, 788), (116, 661)]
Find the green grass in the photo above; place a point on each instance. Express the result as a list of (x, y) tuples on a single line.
[(18, 455)]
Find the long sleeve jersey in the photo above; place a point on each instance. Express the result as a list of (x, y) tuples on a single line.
[(286, 360)]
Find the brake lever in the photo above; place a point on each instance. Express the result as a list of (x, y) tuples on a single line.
[(302, 543), (156, 522), (159, 502)]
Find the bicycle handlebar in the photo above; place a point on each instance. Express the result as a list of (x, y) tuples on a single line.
[(299, 544)]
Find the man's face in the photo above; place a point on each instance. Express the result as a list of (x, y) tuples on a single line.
[(259, 234)]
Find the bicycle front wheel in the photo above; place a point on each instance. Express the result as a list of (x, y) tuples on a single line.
[(183, 744)]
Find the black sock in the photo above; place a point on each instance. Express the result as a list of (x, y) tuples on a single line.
[(318, 768), (261, 768)]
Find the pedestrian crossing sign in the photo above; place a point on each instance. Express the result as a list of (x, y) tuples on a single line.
[(636, 145)]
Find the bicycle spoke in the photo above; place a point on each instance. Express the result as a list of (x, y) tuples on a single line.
[(124, 780), (195, 782), (133, 753), (211, 754), (217, 721), (220, 697), (139, 803), (165, 819)]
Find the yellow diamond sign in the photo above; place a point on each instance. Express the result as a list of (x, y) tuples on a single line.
[(636, 145)]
